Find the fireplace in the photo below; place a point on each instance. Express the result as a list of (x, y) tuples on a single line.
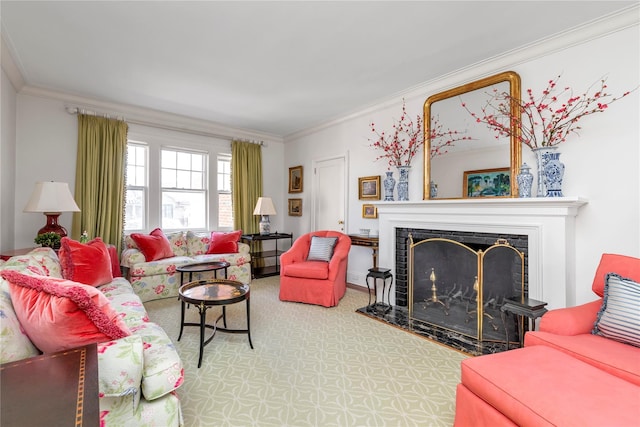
[(543, 229)]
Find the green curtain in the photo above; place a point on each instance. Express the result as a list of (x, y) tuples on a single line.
[(100, 179), (246, 174)]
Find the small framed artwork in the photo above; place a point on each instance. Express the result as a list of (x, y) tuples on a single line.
[(295, 207), (369, 188), (487, 183), (295, 179), (369, 211)]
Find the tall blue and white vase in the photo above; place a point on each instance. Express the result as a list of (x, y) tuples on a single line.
[(403, 183), (553, 175), (389, 184), (433, 190), (525, 181), (543, 155)]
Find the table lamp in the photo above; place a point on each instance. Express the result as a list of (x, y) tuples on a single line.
[(264, 207), (52, 198)]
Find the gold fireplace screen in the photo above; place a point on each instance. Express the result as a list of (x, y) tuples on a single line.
[(460, 289)]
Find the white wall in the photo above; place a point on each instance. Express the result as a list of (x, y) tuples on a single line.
[(7, 161), (602, 164), (46, 150)]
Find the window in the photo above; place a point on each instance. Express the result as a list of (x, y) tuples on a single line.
[(225, 202), (136, 187), (183, 184)]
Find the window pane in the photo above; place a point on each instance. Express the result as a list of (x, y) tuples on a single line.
[(134, 210), (197, 162), (225, 211), (168, 159), (184, 161), (183, 210), (169, 178), (184, 179), (196, 180)]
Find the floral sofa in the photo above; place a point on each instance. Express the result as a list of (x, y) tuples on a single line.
[(138, 374), (159, 279)]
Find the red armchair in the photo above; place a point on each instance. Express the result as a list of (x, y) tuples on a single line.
[(314, 282)]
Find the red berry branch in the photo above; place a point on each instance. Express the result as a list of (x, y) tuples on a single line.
[(407, 138), (546, 121)]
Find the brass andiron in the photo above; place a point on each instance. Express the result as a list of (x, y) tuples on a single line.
[(434, 294), (476, 289)]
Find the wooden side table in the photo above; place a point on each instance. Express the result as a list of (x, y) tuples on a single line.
[(369, 242), (57, 389)]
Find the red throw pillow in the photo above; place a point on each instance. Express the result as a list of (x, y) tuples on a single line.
[(155, 246), (224, 243), (88, 263), (59, 314)]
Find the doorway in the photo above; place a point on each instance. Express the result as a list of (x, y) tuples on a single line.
[(329, 194)]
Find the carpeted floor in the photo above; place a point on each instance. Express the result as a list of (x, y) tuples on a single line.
[(310, 366)]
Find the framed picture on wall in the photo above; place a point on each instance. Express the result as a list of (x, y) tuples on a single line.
[(369, 188), (487, 183), (295, 207), (295, 179), (369, 211)]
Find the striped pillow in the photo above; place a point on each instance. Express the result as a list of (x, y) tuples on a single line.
[(619, 317), (321, 248)]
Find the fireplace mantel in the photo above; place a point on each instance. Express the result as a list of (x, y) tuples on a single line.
[(549, 224)]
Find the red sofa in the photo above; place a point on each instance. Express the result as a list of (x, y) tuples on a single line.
[(314, 282), (564, 375)]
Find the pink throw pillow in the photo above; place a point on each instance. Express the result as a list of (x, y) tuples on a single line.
[(155, 246), (88, 263), (224, 243), (59, 314)]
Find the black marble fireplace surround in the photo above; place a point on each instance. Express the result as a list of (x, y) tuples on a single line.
[(428, 322)]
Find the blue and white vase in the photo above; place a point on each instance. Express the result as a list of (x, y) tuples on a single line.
[(433, 190), (543, 155), (553, 174), (389, 184), (403, 183), (525, 181)]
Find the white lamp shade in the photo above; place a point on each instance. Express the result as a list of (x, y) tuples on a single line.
[(51, 196), (264, 207)]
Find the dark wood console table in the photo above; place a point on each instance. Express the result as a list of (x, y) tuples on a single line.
[(57, 389), (370, 242), (258, 270)]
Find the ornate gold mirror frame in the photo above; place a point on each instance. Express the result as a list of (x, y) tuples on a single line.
[(509, 77)]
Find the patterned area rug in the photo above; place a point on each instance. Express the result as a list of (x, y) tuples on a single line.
[(310, 366)]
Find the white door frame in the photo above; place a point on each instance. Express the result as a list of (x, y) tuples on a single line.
[(316, 188)]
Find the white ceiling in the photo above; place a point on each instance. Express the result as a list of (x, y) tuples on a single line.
[(271, 67)]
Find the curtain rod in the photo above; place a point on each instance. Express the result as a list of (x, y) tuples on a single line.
[(77, 110)]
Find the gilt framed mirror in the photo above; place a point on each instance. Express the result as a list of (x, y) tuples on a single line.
[(475, 146)]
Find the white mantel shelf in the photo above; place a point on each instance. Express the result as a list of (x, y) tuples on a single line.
[(543, 205), (548, 223)]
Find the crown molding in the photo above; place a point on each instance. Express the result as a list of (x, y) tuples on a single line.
[(148, 117), (9, 66), (584, 33)]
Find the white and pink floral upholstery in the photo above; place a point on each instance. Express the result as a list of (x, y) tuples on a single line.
[(159, 279), (137, 375)]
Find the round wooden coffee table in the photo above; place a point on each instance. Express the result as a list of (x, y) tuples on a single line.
[(208, 293), (201, 267)]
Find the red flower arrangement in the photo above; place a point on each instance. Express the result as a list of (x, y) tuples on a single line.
[(403, 144), (407, 138), (547, 121)]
